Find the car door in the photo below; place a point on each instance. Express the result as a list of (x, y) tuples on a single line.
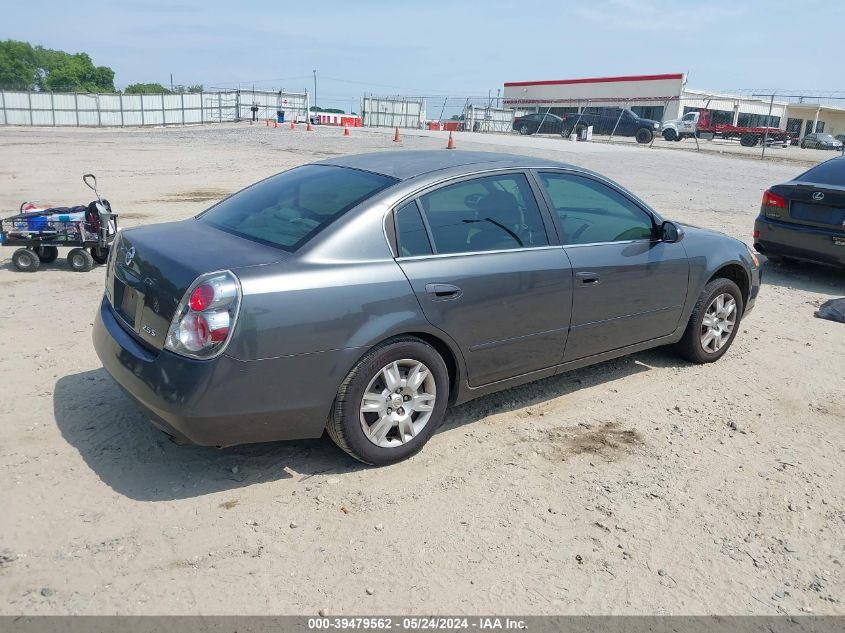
[(478, 256), (629, 286)]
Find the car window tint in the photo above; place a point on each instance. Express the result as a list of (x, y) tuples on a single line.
[(484, 214), (288, 209), (831, 172), (591, 212), (411, 236)]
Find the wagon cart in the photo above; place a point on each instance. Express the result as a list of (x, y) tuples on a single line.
[(38, 233)]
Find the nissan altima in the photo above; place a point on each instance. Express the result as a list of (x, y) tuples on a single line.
[(362, 295)]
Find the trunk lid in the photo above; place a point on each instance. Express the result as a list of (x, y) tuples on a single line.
[(813, 204), (153, 266)]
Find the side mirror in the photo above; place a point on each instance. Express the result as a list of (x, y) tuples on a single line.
[(671, 232)]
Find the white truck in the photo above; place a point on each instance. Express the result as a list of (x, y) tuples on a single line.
[(697, 123)]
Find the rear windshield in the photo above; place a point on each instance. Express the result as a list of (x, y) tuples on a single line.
[(831, 172), (288, 209)]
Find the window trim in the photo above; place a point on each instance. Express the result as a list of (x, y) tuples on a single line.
[(656, 220), (549, 225)]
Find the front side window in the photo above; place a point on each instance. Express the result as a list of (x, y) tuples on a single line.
[(590, 212), (288, 209), (484, 214)]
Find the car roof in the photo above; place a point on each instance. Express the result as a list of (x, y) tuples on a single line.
[(407, 164)]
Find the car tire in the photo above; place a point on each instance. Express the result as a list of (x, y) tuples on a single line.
[(100, 255), (393, 432), (25, 260), (670, 135), (524, 130), (80, 260), (749, 140), (644, 136), (47, 254), (704, 340)]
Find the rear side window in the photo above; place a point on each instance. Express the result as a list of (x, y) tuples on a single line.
[(411, 235), (831, 172), (484, 214), (288, 209)]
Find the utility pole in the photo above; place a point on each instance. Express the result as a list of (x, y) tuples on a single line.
[(171, 82), (315, 90)]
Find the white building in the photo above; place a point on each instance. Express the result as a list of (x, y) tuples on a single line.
[(665, 96)]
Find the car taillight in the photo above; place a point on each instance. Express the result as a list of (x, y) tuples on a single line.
[(773, 200), (756, 233), (206, 316)]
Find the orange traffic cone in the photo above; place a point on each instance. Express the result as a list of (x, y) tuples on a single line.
[(451, 143), (275, 123), (346, 130), (292, 126), (308, 127), (396, 138)]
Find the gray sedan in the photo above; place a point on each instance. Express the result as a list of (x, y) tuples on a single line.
[(362, 295)]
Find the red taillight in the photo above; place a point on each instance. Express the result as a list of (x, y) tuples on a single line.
[(204, 320), (756, 233), (201, 298), (773, 200)]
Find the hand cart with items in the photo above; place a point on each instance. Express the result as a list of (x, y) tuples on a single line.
[(38, 233)]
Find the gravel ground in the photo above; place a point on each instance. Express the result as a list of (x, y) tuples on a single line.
[(643, 485)]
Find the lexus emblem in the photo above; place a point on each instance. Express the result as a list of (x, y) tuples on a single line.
[(130, 255), (818, 196)]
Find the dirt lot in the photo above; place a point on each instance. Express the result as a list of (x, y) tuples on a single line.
[(621, 488)]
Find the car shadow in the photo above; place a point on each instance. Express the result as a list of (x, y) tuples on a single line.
[(140, 462), (825, 280)]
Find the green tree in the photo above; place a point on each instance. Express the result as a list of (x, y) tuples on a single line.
[(180, 89), (18, 66), (23, 67), (135, 89)]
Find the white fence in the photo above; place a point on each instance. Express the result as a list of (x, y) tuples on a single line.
[(392, 112), (106, 110), (489, 119)]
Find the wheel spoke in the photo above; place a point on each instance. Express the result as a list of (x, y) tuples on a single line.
[(379, 430), (373, 403), (707, 339), (406, 429), (423, 402), (392, 377), (417, 376)]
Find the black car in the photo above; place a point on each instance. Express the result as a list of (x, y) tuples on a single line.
[(805, 217), (617, 121), (541, 122)]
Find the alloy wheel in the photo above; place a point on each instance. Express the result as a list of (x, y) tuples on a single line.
[(718, 323), (398, 402)]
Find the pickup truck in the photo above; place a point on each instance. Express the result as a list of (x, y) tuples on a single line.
[(614, 120)]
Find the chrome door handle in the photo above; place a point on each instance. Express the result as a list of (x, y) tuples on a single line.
[(588, 279)]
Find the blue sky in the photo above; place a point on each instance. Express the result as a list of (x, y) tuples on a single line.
[(441, 48)]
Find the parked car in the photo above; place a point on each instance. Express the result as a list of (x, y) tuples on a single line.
[(817, 140), (362, 295), (805, 217), (840, 138), (616, 121), (540, 123)]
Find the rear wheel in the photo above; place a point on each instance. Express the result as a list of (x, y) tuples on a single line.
[(47, 254), (670, 135), (391, 402), (714, 322), (25, 260), (748, 140), (80, 260), (524, 129), (644, 136), (100, 255)]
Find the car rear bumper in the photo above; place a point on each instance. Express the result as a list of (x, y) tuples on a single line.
[(799, 241), (224, 401)]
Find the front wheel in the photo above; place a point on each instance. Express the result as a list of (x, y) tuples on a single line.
[(670, 135), (524, 129), (714, 322), (391, 402), (644, 136), (25, 260)]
